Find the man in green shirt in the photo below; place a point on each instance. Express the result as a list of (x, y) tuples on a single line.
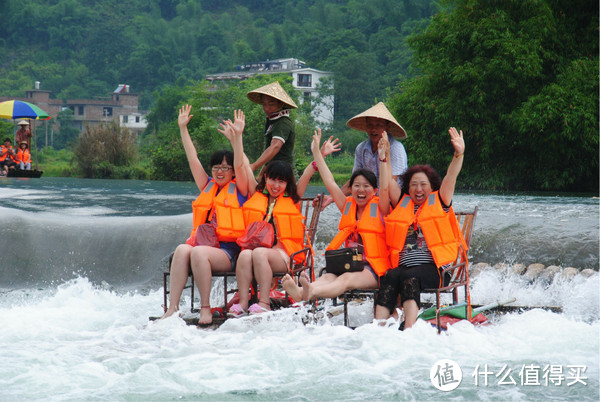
[(280, 136)]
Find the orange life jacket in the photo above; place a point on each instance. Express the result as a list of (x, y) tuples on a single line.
[(2, 150), (286, 216), (24, 155), (441, 231), (371, 230), (225, 204)]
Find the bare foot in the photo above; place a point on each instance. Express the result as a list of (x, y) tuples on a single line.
[(206, 316), (168, 313), (290, 286), (306, 286)]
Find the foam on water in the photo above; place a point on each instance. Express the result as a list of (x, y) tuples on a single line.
[(74, 307), (79, 342)]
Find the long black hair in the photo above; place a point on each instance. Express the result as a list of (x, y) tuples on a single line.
[(280, 170)]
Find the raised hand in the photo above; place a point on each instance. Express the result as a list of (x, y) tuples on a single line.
[(226, 128), (314, 146), (184, 116), (383, 147), (330, 146), (239, 121), (457, 140)]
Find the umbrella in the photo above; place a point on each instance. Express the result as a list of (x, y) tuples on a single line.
[(15, 109)]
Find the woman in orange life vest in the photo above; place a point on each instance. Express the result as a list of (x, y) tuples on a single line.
[(274, 198), (219, 196), (421, 231), (361, 224), (23, 156)]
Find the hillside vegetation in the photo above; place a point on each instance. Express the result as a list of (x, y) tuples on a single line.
[(519, 77)]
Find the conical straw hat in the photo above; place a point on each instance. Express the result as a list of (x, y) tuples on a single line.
[(273, 90), (23, 123), (359, 122)]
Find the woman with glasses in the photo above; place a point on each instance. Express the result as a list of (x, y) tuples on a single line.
[(217, 209)]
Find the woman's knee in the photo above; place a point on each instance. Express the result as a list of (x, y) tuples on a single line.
[(183, 251), (260, 254), (244, 261), (200, 255)]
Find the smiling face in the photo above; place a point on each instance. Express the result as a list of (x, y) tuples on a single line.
[(271, 105), (362, 191), (375, 128), (275, 187), (419, 188), (222, 173)]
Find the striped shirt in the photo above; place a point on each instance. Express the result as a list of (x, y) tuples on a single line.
[(365, 158)]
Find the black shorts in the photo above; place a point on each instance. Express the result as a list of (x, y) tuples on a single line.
[(408, 282)]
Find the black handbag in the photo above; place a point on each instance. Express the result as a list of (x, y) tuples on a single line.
[(344, 260)]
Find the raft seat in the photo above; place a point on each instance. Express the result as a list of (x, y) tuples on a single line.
[(459, 271), (311, 222), (459, 275)]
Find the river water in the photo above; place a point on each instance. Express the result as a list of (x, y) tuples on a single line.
[(81, 265)]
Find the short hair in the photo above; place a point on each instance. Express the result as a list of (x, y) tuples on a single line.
[(367, 174), (7, 139), (280, 170), (217, 157), (434, 178)]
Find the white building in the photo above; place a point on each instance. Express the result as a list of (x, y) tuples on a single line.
[(307, 80)]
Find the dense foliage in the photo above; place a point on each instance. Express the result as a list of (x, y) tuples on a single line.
[(209, 108), (521, 78), (81, 49)]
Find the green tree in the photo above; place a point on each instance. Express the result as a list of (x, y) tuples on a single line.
[(210, 106), (491, 68)]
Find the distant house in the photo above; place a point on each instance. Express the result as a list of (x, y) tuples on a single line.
[(121, 106), (305, 80)]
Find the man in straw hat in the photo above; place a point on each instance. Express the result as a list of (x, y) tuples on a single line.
[(374, 122), (23, 133), (279, 128)]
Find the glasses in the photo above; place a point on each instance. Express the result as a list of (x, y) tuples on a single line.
[(221, 168)]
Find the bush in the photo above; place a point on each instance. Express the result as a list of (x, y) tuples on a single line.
[(101, 150)]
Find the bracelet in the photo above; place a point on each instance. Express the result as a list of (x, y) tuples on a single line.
[(459, 155), (383, 160), (314, 165)]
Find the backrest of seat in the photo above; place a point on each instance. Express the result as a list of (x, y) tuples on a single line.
[(311, 218), (466, 221)]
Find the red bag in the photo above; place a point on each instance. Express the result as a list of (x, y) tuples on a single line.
[(257, 234), (206, 235)]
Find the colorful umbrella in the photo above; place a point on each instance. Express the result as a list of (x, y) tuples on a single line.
[(15, 109)]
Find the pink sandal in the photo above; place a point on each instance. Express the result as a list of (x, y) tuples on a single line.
[(256, 308), (236, 311)]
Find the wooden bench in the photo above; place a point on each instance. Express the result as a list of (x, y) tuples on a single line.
[(311, 220)]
